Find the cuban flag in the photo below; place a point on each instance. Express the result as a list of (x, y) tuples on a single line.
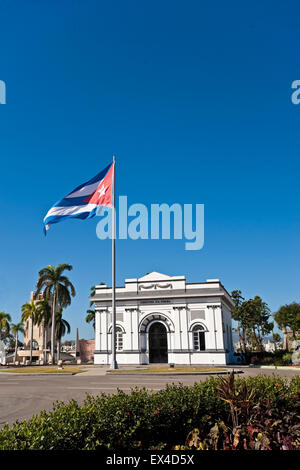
[(83, 201)]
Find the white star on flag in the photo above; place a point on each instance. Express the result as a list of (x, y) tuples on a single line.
[(102, 190)]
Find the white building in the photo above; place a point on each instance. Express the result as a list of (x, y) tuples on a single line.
[(164, 319)]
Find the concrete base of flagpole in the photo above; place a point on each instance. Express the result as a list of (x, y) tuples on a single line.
[(114, 365)]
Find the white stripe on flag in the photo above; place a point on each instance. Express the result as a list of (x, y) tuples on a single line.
[(85, 191), (71, 210)]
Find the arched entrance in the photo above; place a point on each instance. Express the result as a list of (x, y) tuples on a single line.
[(158, 343)]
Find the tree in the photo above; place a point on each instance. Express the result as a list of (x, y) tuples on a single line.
[(257, 314), (276, 338), (237, 315), (282, 318), (294, 323), (12, 342), (5, 318), (61, 328), (29, 313), (43, 318), (68, 343), (57, 287), (17, 328), (252, 316), (90, 318), (288, 319), (9, 340), (93, 292)]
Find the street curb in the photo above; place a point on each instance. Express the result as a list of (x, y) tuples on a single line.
[(173, 373), (275, 367), (39, 374)]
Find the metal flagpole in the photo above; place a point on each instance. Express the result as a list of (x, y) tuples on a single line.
[(114, 364)]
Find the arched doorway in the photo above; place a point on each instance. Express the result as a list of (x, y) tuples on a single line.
[(158, 343)]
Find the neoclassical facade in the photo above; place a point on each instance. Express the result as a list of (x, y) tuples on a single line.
[(164, 319)]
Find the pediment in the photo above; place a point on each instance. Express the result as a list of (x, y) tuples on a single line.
[(155, 276)]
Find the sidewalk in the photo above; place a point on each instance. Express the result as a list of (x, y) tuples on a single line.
[(94, 371)]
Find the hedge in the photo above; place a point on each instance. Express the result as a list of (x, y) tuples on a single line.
[(144, 419)]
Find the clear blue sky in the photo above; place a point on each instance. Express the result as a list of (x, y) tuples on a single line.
[(194, 99)]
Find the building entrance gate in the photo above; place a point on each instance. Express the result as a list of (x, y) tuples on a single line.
[(158, 343)]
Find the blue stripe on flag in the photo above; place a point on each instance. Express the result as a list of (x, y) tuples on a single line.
[(99, 177), (72, 201), (54, 219)]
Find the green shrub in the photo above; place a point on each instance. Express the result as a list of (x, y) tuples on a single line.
[(276, 358), (269, 361), (287, 358), (144, 419), (265, 426)]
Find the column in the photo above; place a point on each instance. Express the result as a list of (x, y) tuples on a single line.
[(97, 330), (217, 326), (183, 317), (178, 330), (104, 330), (133, 328)]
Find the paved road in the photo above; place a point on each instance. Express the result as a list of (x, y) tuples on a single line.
[(23, 396)]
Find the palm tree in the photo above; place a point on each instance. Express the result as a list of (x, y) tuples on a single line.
[(43, 318), (29, 313), (59, 289), (90, 318), (61, 328), (17, 328), (5, 318), (93, 292)]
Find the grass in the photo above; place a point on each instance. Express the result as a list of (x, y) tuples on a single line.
[(45, 370), (164, 369)]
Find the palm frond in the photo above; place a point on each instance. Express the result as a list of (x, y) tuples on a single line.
[(17, 328)]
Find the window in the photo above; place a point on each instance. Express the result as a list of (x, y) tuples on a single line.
[(119, 338), (199, 338)]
